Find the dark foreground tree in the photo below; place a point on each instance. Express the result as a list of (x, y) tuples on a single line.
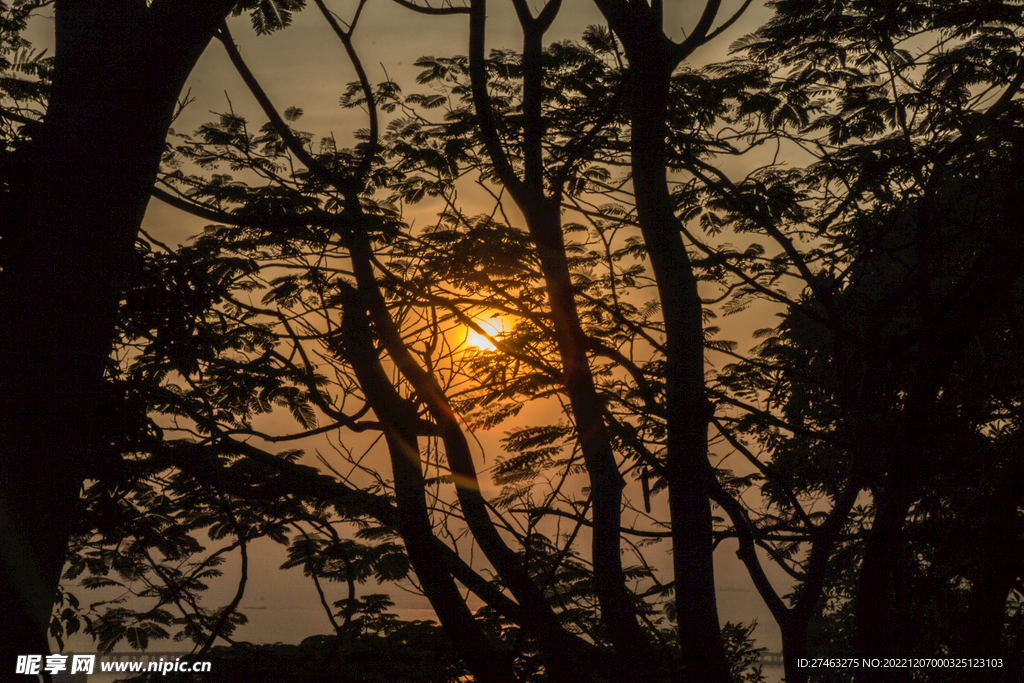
[(71, 201), (890, 374)]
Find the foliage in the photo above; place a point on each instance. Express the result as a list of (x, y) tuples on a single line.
[(890, 370), (24, 79), (742, 653), (245, 321)]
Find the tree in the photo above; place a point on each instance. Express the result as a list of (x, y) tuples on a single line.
[(903, 222), (688, 473), (72, 201)]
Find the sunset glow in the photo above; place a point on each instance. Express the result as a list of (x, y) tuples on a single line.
[(493, 327)]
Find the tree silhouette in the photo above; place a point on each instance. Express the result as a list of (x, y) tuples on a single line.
[(72, 201), (889, 354)]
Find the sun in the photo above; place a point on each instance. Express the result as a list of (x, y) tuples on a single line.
[(478, 341)]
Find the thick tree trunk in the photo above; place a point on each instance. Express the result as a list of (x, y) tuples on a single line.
[(633, 650), (881, 590), (72, 205), (687, 468), (998, 565), (794, 648), (998, 562)]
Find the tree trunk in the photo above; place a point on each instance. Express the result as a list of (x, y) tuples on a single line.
[(998, 561), (564, 654), (72, 205), (794, 648), (633, 650), (687, 468), (998, 565), (881, 591)]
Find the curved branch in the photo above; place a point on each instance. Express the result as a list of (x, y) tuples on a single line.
[(766, 471), (729, 22), (748, 554), (436, 11), (728, 190), (219, 216), (482, 103), (293, 143), (700, 33), (364, 83), (215, 632)]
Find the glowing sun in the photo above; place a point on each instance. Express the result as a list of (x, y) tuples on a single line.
[(478, 341)]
